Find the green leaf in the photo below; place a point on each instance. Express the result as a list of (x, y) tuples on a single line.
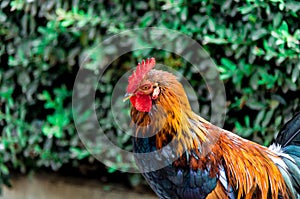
[(295, 74), (210, 39), (245, 9), (284, 27), (267, 119), (111, 170), (67, 23), (258, 34), (259, 118), (228, 64), (247, 121), (277, 19), (4, 170), (278, 120)]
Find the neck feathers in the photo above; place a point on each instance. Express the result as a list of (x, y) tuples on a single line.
[(171, 119)]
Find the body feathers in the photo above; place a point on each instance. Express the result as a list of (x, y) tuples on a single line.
[(211, 162)]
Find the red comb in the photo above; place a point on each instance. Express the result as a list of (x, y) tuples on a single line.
[(141, 70)]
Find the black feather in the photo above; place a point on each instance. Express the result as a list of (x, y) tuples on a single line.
[(171, 182), (290, 132)]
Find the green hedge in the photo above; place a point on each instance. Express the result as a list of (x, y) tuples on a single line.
[(42, 43)]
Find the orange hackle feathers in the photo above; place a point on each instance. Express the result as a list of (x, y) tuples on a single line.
[(141, 70)]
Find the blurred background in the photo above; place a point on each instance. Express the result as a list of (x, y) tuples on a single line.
[(255, 44)]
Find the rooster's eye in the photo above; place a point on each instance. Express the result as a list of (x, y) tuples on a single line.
[(145, 87)]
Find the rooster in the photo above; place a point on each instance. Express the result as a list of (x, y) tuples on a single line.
[(210, 161)]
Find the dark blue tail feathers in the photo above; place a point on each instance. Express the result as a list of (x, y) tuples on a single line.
[(290, 133), (289, 140)]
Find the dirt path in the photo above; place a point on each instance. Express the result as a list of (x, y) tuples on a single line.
[(45, 186)]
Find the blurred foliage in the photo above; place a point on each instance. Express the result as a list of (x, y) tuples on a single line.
[(42, 44)]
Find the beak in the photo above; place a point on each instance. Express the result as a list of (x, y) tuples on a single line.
[(127, 96)]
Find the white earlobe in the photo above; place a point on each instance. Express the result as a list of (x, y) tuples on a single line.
[(155, 93)]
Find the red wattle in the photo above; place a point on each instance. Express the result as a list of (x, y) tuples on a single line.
[(142, 103)]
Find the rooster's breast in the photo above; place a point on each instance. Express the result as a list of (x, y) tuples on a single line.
[(167, 180)]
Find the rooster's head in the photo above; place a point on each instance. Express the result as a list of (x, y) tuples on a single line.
[(142, 87), (147, 85)]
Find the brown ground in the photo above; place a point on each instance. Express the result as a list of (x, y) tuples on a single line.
[(45, 186)]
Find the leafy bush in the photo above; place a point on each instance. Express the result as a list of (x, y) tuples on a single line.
[(254, 43)]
